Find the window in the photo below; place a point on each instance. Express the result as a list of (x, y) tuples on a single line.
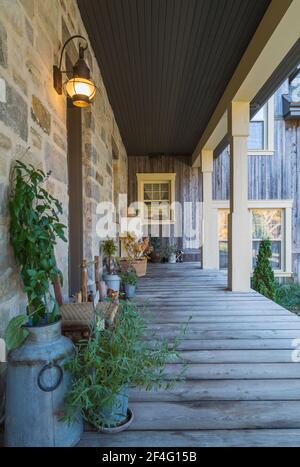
[(261, 131), (223, 238), (268, 221), (157, 193)]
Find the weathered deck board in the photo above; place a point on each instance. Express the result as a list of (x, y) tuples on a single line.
[(241, 387)]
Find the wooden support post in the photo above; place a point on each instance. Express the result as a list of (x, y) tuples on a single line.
[(97, 272), (210, 250), (239, 235), (84, 280)]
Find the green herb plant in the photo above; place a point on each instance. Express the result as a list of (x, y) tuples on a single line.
[(121, 356), (34, 229)]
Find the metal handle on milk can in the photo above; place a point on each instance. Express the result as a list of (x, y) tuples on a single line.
[(59, 380)]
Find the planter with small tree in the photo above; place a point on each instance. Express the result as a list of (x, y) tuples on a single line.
[(36, 379), (111, 277), (110, 362)]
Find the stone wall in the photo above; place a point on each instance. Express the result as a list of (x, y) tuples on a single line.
[(33, 115)]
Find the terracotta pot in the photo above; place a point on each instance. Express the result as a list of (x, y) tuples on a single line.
[(140, 266)]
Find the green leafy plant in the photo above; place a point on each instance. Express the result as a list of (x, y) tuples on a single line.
[(109, 249), (34, 229), (129, 277), (120, 356), (288, 296), (168, 251), (263, 280)]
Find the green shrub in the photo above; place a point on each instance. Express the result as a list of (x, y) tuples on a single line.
[(288, 296), (263, 277)]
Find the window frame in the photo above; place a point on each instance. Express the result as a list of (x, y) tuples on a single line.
[(286, 207), (148, 178), (269, 121)]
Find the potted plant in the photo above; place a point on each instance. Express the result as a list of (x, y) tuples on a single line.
[(169, 253), (111, 362), (155, 249), (130, 280), (111, 278), (137, 250), (37, 350)]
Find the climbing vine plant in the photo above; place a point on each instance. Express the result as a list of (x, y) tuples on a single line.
[(34, 229)]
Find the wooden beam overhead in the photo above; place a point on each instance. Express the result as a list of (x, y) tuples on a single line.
[(275, 36)]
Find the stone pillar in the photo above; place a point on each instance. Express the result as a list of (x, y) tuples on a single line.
[(210, 249), (239, 235)]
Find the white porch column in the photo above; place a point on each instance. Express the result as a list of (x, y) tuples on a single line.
[(239, 235), (210, 250)]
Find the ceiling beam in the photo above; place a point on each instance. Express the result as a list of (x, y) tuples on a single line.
[(275, 36)]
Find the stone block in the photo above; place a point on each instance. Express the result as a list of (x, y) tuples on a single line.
[(92, 190), (56, 163), (91, 153), (5, 141), (14, 14), (99, 178), (36, 138), (40, 114), (3, 199), (59, 141), (109, 170), (14, 113), (3, 46)]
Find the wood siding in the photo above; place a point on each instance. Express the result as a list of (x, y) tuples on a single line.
[(188, 187), (271, 177)]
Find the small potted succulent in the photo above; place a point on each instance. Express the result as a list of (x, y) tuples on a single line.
[(111, 277), (130, 280), (112, 361)]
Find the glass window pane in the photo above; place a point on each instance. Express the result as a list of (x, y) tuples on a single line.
[(164, 195), (156, 195), (164, 187), (275, 260), (223, 255), (223, 224), (155, 186), (256, 135), (147, 195), (147, 187), (266, 223)]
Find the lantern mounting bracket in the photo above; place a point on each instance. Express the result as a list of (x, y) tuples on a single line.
[(57, 71)]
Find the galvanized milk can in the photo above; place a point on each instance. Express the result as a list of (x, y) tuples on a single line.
[(36, 386)]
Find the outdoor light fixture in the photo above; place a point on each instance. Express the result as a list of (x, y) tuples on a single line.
[(79, 87)]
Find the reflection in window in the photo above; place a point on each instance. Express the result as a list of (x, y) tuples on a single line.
[(266, 223), (157, 200), (223, 238), (258, 130)]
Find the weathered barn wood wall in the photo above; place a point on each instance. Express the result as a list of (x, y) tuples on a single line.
[(271, 177), (188, 188)]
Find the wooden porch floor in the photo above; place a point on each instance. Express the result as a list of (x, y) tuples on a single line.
[(241, 386)]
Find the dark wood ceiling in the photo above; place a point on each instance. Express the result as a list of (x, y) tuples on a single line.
[(166, 63)]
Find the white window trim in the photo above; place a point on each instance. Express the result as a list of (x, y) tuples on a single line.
[(143, 178), (269, 150), (284, 204)]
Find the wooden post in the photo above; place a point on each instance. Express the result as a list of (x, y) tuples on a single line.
[(210, 247), (84, 280), (97, 272), (239, 235)]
